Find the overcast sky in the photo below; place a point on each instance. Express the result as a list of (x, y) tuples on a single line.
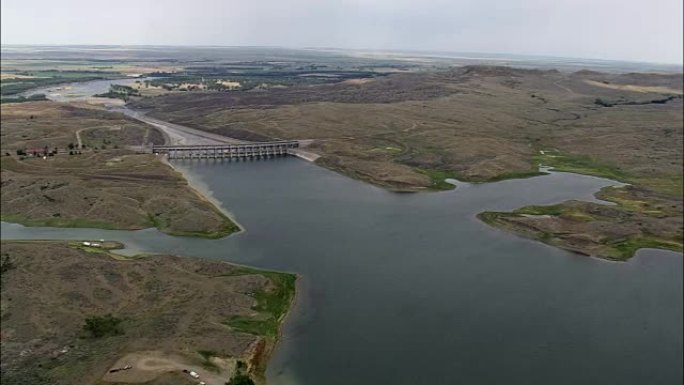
[(641, 30)]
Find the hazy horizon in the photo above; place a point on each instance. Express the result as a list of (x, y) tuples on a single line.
[(636, 30)]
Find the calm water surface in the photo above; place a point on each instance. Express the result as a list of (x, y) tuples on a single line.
[(78, 91), (413, 289)]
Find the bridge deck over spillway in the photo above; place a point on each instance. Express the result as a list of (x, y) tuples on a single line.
[(242, 150)]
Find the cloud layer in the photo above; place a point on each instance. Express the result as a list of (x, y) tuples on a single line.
[(637, 30)]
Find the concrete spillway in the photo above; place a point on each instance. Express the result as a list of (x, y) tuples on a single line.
[(243, 150)]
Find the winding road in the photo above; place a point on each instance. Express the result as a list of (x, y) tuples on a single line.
[(175, 133)]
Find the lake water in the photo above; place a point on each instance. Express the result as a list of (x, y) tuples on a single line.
[(413, 289)]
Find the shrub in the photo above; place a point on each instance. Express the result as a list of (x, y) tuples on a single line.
[(6, 264), (240, 379), (103, 326)]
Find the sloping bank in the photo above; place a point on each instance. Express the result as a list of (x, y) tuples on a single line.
[(50, 177), (110, 190)]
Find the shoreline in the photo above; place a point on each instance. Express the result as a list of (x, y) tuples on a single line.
[(288, 314), (497, 220), (204, 193), (262, 350), (195, 186), (261, 366)]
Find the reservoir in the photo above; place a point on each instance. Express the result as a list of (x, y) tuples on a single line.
[(413, 289), (80, 91)]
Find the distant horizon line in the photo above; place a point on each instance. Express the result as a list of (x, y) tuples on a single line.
[(377, 50)]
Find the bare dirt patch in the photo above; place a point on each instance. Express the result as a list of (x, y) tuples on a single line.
[(635, 88), (229, 84), (146, 366), (358, 81)]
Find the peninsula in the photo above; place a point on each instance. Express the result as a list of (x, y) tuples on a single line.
[(75, 313)]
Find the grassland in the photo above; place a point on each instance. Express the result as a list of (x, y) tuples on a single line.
[(105, 184), (271, 304), (647, 214), (641, 218), (479, 123), (410, 131), (168, 309)]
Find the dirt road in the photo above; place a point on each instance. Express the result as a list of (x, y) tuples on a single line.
[(177, 134), (146, 366)]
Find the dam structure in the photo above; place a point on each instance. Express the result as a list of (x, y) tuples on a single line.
[(227, 151)]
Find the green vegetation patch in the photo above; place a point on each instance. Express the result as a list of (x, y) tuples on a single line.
[(438, 178), (498, 219), (580, 164), (240, 379), (117, 91), (559, 210), (553, 210), (625, 249), (608, 247), (227, 227), (102, 326), (649, 205), (516, 175), (490, 217), (670, 185), (272, 303)]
